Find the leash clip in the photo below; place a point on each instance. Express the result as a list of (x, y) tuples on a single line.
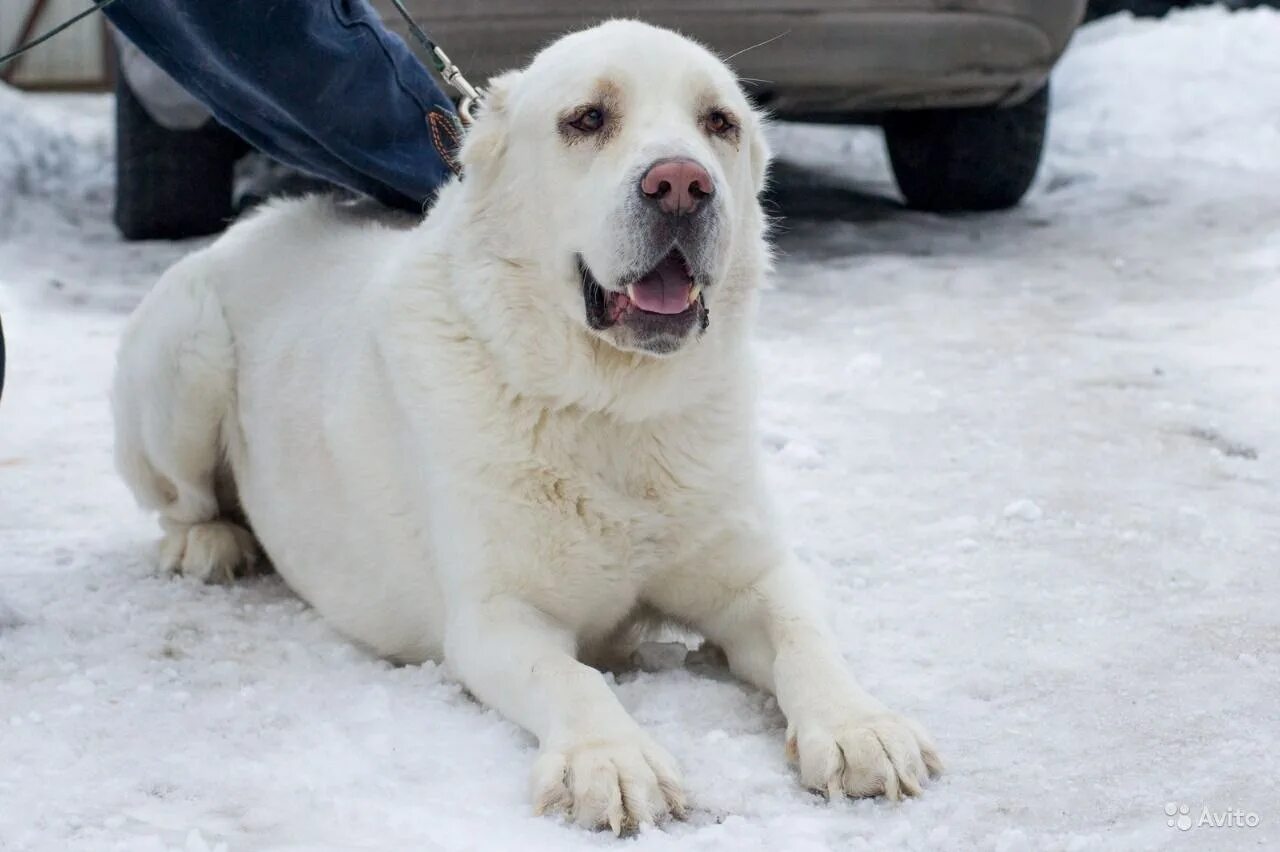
[(471, 96)]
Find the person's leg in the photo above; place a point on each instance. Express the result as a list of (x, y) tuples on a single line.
[(318, 84)]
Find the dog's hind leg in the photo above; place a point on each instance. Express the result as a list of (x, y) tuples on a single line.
[(174, 399)]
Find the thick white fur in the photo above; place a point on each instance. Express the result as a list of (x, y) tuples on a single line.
[(436, 452)]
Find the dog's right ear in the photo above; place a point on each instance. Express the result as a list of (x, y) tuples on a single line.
[(486, 140)]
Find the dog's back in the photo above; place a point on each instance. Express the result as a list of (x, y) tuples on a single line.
[(263, 330)]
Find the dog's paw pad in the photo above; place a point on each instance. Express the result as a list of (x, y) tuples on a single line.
[(619, 783), (881, 755), (212, 552)]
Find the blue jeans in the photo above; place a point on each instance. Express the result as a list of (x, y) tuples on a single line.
[(320, 85)]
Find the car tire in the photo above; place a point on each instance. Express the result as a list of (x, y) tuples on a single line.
[(1, 359), (977, 158), (171, 184)]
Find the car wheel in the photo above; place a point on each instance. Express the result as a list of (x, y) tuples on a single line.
[(170, 184), (978, 158)]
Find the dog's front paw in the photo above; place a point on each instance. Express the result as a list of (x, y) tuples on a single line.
[(863, 755), (619, 782)]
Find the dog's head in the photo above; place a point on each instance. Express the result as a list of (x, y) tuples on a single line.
[(624, 164)]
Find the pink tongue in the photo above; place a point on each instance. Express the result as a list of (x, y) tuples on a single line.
[(665, 290)]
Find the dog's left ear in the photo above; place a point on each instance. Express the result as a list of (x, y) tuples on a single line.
[(486, 140), (759, 153)]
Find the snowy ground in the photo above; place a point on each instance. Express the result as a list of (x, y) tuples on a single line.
[(1035, 455)]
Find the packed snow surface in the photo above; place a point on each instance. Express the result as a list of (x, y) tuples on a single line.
[(1034, 456)]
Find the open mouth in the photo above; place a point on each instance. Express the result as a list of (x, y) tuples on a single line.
[(665, 300)]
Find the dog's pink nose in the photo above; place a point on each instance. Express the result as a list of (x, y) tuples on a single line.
[(678, 185)]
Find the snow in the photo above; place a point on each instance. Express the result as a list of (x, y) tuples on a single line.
[(1035, 456)]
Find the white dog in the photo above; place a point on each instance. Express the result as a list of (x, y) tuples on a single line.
[(505, 436)]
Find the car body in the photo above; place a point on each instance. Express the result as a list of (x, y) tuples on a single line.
[(805, 59), (959, 86)]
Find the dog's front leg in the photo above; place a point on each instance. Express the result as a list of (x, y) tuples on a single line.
[(845, 741), (595, 762)]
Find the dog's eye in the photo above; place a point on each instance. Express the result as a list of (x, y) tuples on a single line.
[(719, 122), (590, 120)]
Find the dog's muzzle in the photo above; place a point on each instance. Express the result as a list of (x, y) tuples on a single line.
[(658, 301)]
